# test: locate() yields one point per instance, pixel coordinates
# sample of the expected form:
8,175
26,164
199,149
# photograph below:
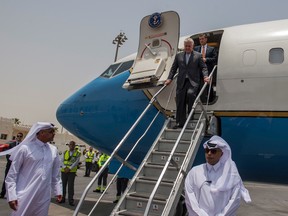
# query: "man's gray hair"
189,40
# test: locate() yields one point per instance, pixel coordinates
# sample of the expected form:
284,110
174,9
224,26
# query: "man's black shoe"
62,201
2,196
115,201
177,126
97,191
71,204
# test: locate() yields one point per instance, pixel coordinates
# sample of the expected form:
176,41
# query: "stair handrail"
84,194
183,167
124,162
197,100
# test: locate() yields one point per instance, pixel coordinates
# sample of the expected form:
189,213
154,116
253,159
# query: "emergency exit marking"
155,207
139,204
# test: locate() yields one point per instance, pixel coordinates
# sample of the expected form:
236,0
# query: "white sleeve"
75,163
13,173
190,198
86,155
56,176
234,202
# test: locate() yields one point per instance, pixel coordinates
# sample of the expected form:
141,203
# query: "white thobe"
34,171
199,198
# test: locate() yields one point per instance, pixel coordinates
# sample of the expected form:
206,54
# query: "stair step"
155,179
161,157
190,125
154,170
145,196
168,144
138,202
172,134
130,213
134,213
144,186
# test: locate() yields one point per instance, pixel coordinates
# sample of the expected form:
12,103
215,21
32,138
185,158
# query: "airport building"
9,129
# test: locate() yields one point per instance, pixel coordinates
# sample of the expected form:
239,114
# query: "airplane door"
158,43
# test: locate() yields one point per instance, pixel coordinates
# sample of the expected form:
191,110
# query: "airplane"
250,106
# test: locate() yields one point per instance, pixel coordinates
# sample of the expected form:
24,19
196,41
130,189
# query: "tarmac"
267,199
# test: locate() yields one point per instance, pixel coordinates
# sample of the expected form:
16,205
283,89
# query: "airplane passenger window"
276,55
110,70
124,67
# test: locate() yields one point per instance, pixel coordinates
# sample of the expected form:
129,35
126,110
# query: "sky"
49,49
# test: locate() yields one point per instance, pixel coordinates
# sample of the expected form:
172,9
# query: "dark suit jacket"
211,56
12,144
193,69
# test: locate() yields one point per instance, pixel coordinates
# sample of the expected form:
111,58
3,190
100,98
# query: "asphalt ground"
267,199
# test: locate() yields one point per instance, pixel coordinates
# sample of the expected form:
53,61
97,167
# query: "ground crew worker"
102,160
90,157
71,159
121,185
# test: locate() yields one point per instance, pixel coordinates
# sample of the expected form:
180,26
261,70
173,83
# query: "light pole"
119,40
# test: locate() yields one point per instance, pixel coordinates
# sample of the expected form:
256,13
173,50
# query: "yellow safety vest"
69,160
90,156
103,158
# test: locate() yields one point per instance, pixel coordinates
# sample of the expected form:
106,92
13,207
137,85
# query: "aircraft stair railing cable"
210,85
169,160
198,101
115,151
124,162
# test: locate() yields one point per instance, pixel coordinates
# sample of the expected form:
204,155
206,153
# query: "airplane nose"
102,112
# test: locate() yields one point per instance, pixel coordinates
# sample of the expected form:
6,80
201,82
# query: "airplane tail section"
158,44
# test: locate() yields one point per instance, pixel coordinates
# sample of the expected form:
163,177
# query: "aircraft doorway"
167,99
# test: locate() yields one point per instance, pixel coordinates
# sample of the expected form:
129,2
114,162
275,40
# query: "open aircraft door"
158,44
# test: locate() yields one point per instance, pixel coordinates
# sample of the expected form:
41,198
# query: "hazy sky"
49,49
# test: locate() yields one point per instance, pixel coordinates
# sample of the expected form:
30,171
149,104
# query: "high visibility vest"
69,160
90,156
103,158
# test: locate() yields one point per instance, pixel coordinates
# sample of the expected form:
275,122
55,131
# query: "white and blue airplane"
251,103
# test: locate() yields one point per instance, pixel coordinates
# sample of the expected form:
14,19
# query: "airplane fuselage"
251,104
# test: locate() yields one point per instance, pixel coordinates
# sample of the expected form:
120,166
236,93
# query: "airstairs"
157,187
158,184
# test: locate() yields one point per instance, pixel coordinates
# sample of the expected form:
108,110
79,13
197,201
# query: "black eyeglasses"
20,136
213,151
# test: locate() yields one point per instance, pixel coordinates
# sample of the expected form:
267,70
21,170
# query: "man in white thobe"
34,173
215,188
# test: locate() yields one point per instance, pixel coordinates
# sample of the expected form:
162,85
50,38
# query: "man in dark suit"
190,66
209,56
12,144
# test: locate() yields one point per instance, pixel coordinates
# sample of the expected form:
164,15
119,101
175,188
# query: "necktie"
203,52
187,58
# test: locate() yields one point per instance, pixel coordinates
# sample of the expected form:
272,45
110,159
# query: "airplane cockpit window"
276,55
116,69
124,67
110,70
